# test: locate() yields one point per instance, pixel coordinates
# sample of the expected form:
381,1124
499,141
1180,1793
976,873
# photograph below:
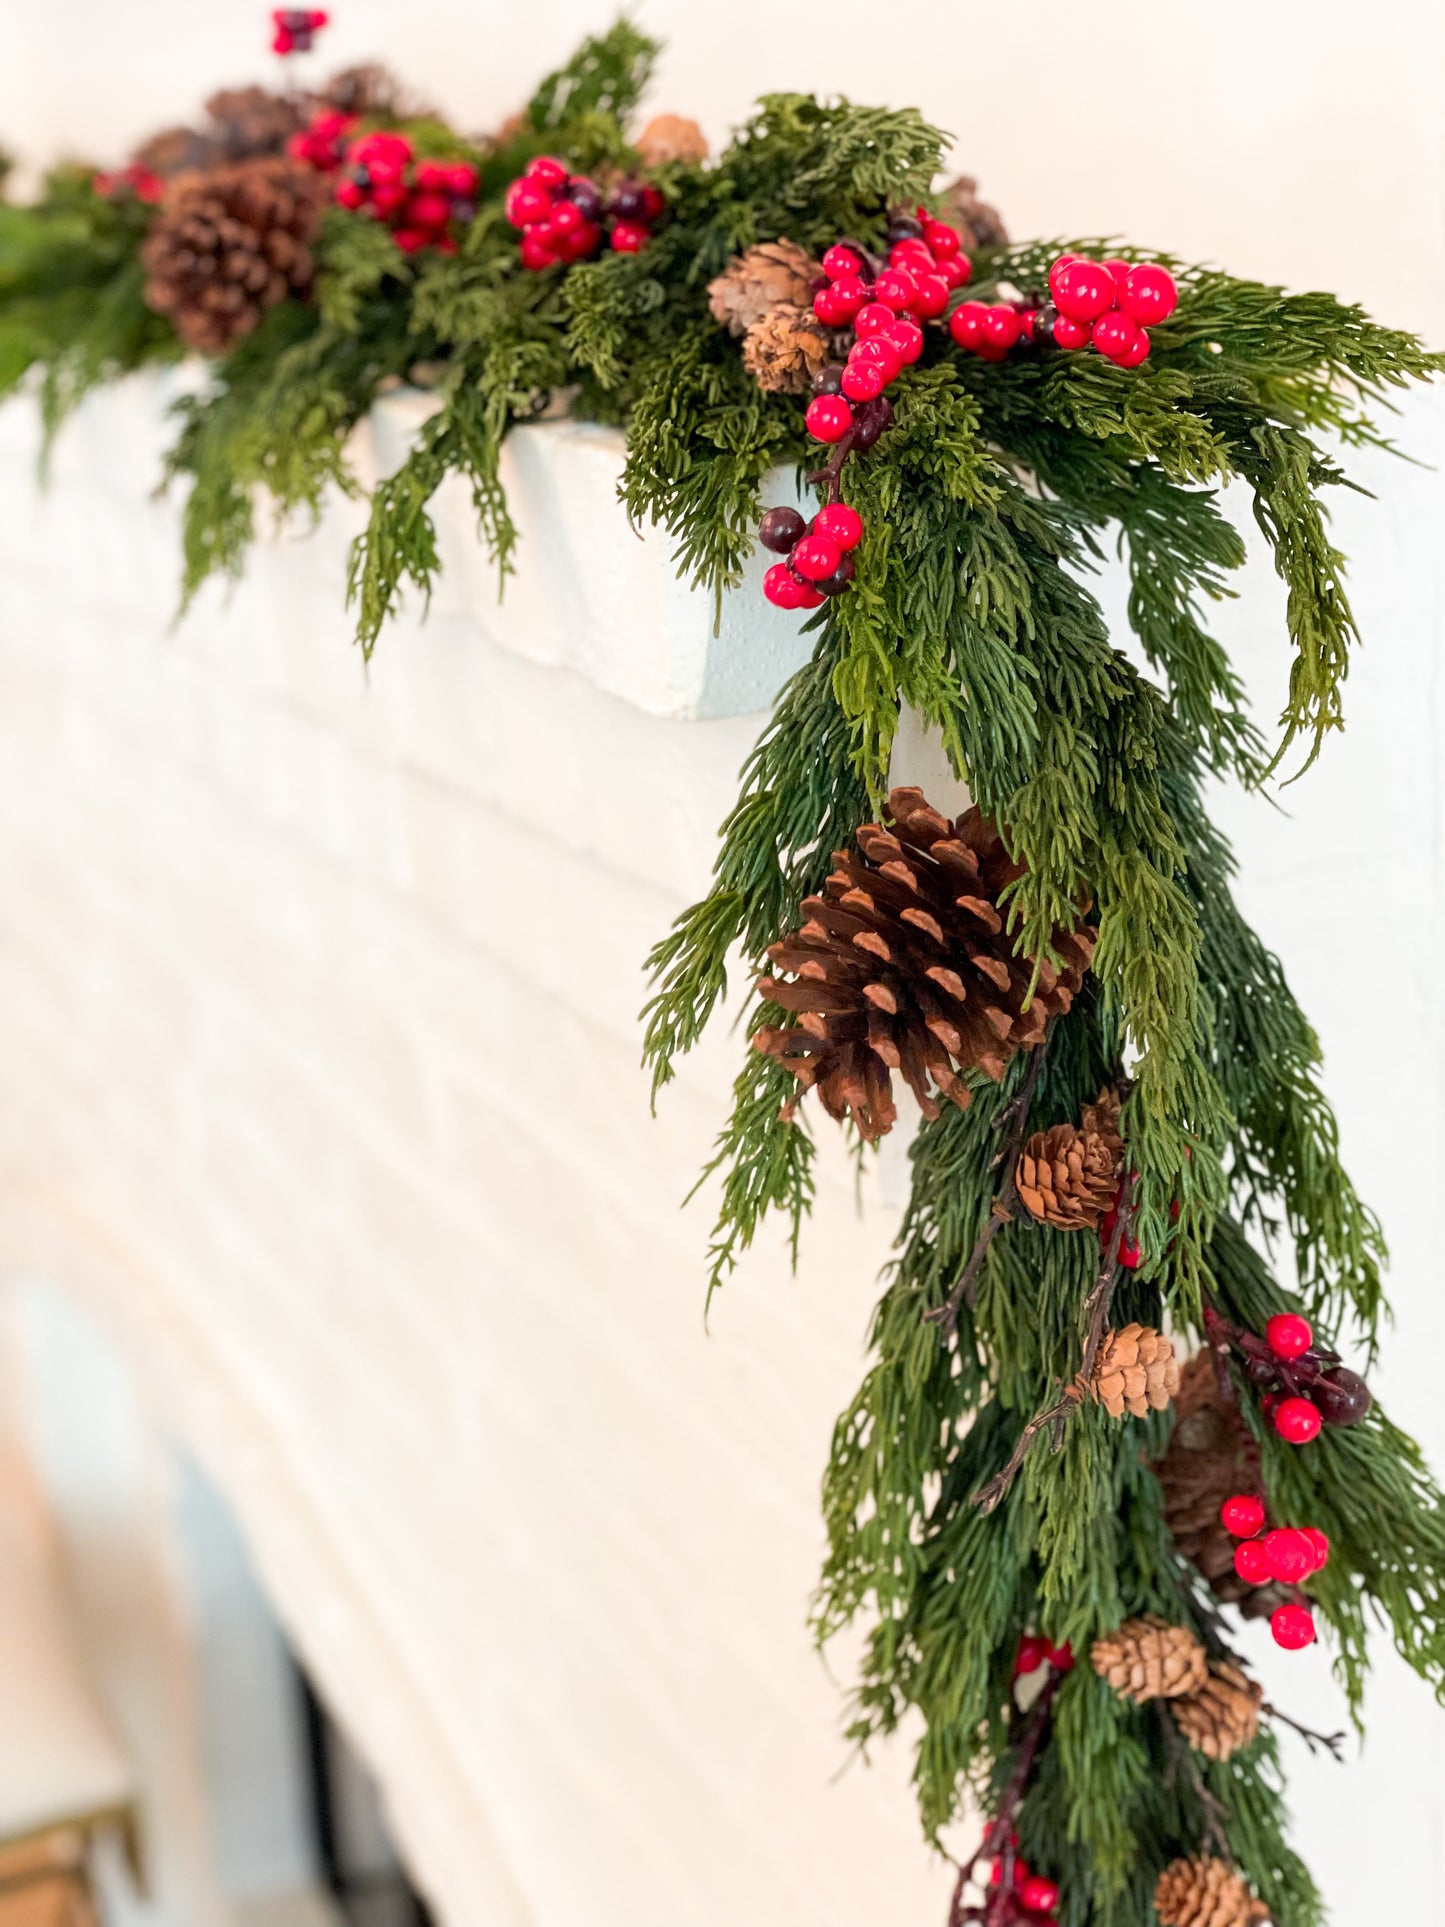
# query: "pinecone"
1148,1659
979,225
1210,1458
1069,1176
785,348
249,121
752,283
229,244
905,964
176,150
1223,1716
1136,1372
671,137
1205,1892
367,90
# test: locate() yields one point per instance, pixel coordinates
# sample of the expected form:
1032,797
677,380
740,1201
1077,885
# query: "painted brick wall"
317,1019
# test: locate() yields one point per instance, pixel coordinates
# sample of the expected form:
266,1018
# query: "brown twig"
1216,1813
1015,1114
1057,1415
997,1841
1332,1743
830,478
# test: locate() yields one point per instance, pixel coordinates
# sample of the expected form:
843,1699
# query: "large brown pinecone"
1136,1372
1210,1458
752,283
1223,1715
978,224
242,123
1205,1892
785,348
228,244
1148,1659
671,137
1069,1176
905,964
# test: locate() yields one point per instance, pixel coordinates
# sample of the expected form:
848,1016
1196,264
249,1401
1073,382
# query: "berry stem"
997,1841
1331,1743
830,478
1216,1813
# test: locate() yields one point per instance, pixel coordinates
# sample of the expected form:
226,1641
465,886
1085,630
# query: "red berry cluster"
818,563
1306,1386
1288,1554
561,215
1110,304
885,306
296,28
322,142
119,182
1017,1895
1036,1651
421,201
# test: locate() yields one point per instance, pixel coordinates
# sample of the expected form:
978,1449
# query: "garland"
1122,1126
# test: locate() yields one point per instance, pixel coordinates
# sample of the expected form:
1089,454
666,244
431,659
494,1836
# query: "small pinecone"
1069,1176
1223,1716
1136,1372
249,121
367,90
905,964
752,283
978,224
671,137
229,244
1205,1892
176,150
785,348
1209,1458
1148,1659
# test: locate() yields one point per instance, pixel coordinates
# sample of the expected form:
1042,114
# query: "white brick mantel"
318,994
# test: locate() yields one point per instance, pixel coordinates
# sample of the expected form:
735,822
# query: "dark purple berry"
829,380
629,203
1342,1395
583,194
871,420
838,581
1044,321
780,529
903,228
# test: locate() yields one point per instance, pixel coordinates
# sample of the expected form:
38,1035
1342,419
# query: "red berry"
1115,335
862,380
1069,333
1040,1896
955,269
931,298
431,177
1293,1627
1031,1655
1002,327
629,237
815,557
1289,1554
283,41
566,217
527,203
1119,270
1320,1544
828,308
1297,1421
829,418
907,338
942,239
911,255
840,524
965,324
1251,1562
654,202
550,172
537,251
895,289
840,261
1242,1516
1082,290
1149,294
873,319
435,210
411,240
782,587
850,294
350,193
882,349
461,179
1133,358
1061,1658
1288,1335
581,241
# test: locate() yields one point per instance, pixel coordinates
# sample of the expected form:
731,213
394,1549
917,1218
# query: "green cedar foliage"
987,507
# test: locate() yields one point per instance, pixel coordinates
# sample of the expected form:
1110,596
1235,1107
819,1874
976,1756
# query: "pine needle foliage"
989,506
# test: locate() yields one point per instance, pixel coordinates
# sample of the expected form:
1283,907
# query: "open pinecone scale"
905,964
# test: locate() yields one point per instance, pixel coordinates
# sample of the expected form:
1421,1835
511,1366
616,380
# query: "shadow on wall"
253,1809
